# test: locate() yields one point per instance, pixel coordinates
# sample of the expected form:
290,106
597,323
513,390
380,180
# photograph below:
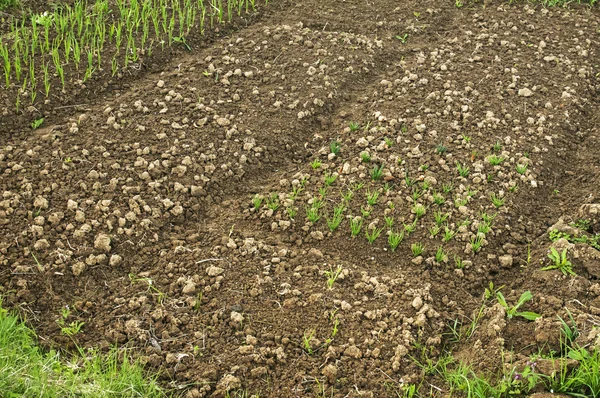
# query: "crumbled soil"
134,207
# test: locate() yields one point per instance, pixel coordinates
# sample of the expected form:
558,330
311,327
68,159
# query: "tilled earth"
170,212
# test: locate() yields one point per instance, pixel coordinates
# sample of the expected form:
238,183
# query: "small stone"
189,288
417,303
506,261
362,142
115,260
330,372
237,317
72,205
227,383
525,92
102,242
214,271
353,351
41,244
78,268
40,203
160,84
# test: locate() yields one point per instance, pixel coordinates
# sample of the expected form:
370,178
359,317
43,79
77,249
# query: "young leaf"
530,316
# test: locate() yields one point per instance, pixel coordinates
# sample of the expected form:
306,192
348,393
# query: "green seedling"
438,199
346,197
389,222
463,170
257,202
441,149
332,276
387,188
495,160
291,212
366,212
312,213
388,142
335,147
466,138
434,230
514,310
335,222
354,126
394,239
70,329
358,186
497,201
402,38
476,243
447,187
372,197
377,173
365,157
440,217
355,226
330,179
484,228
419,210
315,164
440,255
416,194
417,249
448,234
37,123
306,339
458,262
323,191
491,291
410,228
273,202
521,168
409,181
373,234
561,262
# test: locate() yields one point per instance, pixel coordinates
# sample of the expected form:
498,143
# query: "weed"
70,329
373,234
394,239
417,249
465,138
561,262
332,276
463,170
514,310
377,173
497,201
355,226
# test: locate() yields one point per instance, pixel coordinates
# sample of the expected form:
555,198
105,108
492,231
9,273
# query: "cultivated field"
321,198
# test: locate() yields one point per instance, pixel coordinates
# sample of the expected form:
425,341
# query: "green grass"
27,371
4,4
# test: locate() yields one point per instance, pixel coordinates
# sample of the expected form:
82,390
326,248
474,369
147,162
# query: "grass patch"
4,4
27,371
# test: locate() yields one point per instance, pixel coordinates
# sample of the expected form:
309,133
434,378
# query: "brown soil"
132,204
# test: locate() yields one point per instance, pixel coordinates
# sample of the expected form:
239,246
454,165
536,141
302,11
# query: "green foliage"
512,311
560,262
